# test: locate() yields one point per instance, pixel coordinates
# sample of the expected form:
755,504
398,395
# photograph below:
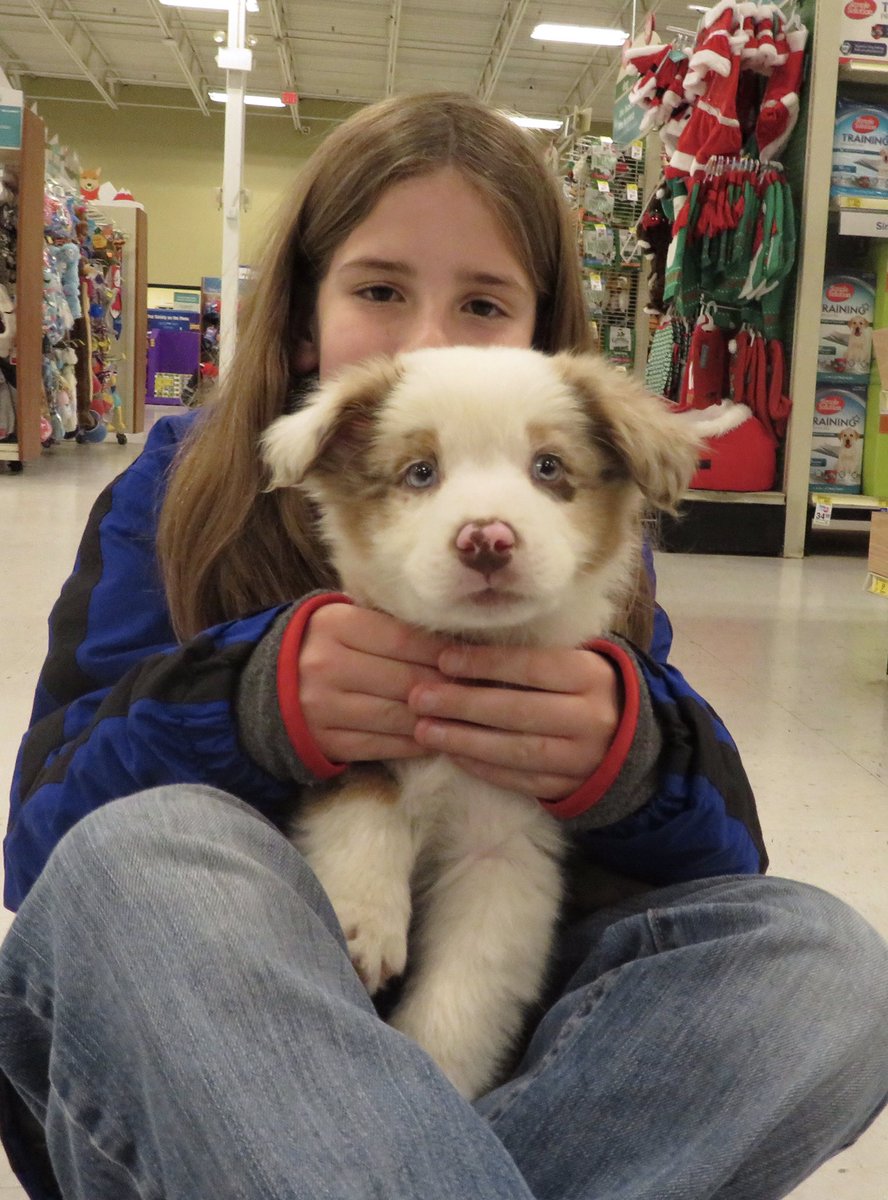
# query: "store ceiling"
352,50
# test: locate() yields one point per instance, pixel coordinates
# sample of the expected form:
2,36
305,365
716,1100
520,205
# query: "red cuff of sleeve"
288,688
610,766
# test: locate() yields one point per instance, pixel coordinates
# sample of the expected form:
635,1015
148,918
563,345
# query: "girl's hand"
542,734
356,670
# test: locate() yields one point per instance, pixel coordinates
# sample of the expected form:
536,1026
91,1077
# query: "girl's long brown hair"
228,548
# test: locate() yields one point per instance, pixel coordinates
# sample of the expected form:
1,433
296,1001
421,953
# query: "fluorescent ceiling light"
249,98
700,8
535,122
586,35
209,5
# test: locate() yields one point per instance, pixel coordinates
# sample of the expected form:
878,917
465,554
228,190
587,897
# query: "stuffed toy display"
602,185
90,179
81,316
719,235
7,323
8,225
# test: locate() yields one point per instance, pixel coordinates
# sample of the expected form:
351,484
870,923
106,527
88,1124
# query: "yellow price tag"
878,585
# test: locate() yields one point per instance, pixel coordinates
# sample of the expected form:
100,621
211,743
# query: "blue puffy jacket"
121,706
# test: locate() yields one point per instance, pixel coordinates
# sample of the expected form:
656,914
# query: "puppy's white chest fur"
493,495
469,875
456,817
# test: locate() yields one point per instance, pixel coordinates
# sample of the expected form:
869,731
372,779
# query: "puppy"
494,495
849,456
860,340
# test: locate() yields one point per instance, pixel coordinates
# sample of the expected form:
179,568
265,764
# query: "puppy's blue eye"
547,468
421,475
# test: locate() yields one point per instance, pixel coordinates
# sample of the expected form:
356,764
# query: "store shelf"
858,204
701,494
847,500
28,165
863,220
856,71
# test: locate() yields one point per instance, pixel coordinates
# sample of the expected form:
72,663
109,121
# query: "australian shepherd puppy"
494,495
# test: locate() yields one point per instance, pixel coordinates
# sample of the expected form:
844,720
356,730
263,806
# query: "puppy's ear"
643,439
335,422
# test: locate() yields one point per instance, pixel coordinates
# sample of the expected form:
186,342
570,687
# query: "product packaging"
864,29
860,150
845,344
837,443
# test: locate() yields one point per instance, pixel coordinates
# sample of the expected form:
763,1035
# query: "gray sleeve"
260,724
637,779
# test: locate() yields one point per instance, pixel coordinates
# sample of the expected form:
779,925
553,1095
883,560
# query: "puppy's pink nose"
486,547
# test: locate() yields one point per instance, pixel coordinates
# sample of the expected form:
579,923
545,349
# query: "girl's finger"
546,669
349,746
366,714
377,634
521,752
540,786
501,708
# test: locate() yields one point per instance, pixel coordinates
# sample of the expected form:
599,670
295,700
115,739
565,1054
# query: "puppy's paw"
377,944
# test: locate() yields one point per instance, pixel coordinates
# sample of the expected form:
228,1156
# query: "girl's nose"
427,331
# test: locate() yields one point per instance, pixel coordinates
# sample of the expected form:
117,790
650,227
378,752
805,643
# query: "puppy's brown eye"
547,468
421,475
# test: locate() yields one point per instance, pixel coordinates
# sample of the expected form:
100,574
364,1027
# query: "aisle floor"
792,655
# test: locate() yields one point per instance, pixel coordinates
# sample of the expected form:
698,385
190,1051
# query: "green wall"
170,158
159,146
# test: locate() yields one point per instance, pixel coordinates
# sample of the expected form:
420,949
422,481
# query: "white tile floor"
792,654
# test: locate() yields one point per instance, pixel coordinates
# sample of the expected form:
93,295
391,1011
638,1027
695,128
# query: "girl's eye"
379,293
420,475
485,308
547,468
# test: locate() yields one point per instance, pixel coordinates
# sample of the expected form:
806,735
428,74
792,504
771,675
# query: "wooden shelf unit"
28,163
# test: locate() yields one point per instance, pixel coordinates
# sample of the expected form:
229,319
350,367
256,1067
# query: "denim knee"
845,950
161,845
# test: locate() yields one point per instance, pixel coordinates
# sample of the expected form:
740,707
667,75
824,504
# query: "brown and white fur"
524,528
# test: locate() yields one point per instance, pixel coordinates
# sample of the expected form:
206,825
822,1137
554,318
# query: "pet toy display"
81,308
8,241
101,271
603,185
62,216
719,234
8,227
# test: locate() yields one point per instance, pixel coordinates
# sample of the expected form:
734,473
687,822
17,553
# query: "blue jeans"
179,1018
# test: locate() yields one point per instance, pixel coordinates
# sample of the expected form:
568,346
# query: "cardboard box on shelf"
859,162
864,30
878,544
846,318
837,444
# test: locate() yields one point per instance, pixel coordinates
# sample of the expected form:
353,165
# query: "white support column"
236,58
824,39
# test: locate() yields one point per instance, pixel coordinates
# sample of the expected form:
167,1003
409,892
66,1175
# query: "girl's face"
429,266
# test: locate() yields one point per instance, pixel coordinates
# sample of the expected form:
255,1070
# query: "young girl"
180,1017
